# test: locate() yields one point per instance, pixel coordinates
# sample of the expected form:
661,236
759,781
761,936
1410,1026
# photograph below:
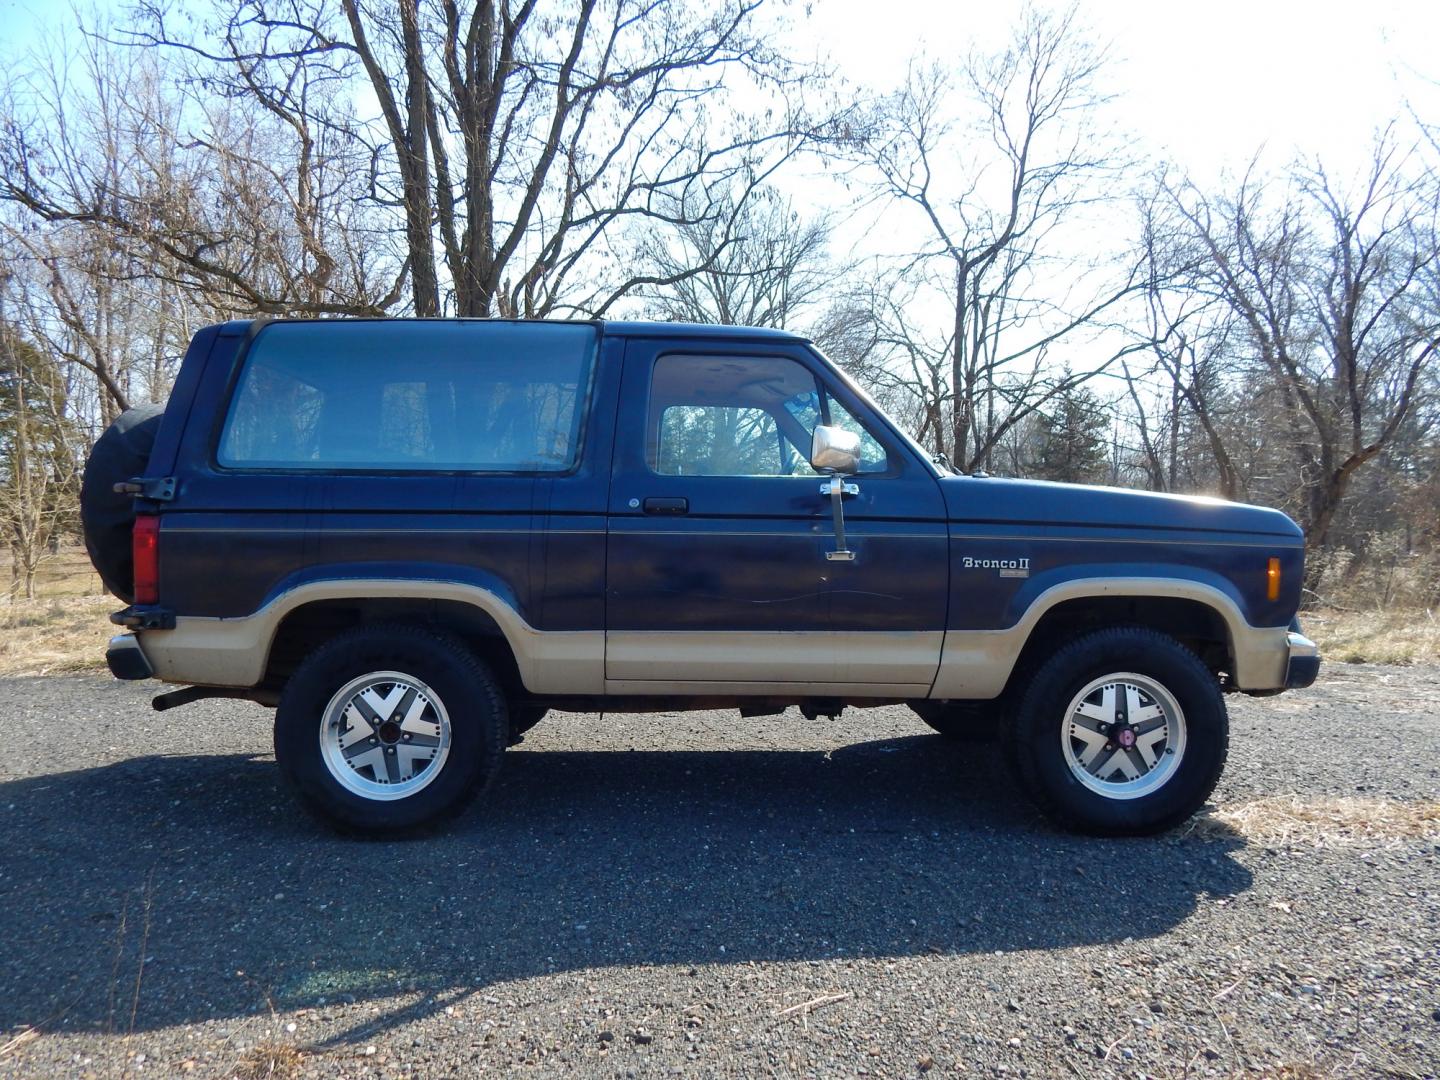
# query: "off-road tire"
106,518
1036,751
478,719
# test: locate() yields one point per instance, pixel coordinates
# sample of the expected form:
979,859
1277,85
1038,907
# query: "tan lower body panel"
1262,657
233,652
228,652
864,664
209,652
953,664
844,691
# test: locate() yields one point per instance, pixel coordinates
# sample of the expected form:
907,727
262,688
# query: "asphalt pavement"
700,895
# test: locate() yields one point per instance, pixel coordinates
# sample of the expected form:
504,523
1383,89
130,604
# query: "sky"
1210,81
1207,84
1205,87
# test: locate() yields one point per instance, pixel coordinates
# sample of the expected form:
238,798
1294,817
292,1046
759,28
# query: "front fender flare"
977,664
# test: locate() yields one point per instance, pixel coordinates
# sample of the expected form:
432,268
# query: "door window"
717,440
730,416
743,416
872,455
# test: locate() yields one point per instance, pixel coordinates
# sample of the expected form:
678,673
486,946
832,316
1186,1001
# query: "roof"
619,328
694,330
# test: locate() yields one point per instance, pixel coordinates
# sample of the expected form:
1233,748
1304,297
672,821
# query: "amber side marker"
1272,575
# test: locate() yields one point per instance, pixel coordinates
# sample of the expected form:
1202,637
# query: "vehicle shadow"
238,902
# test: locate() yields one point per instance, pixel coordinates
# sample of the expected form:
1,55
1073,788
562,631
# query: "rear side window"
410,396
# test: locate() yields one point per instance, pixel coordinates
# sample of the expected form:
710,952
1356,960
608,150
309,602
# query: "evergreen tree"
39,473
1071,438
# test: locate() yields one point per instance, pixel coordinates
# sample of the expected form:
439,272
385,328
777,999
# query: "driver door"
716,568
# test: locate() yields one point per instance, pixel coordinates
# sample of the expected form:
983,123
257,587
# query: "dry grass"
68,573
1375,637
64,629
1374,1060
30,1034
50,637
1290,819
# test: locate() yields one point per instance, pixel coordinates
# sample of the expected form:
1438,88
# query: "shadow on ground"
204,866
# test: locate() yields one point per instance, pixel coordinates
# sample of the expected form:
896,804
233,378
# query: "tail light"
145,546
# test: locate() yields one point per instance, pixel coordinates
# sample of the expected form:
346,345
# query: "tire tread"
488,709
1050,679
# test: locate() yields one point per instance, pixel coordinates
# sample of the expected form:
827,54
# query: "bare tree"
1337,292
511,138
1190,333
882,344
247,210
755,263
998,196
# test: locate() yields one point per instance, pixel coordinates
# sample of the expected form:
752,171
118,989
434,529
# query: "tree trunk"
1173,465
962,390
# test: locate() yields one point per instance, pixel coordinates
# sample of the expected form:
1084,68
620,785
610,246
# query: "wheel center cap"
1126,737
389,732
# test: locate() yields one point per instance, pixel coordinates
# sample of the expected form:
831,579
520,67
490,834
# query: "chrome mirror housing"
834,449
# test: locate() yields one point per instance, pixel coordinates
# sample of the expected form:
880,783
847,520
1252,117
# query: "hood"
993,500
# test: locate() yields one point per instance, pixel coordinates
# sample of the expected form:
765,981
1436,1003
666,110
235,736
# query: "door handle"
654,505
837,489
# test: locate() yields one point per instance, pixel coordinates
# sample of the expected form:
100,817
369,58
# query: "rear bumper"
144,617
1304,662
126,659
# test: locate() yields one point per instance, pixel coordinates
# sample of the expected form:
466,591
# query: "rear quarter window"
410,396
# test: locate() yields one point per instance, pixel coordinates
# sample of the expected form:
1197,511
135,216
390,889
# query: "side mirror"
834,449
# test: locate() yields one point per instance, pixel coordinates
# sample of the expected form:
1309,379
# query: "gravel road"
702,895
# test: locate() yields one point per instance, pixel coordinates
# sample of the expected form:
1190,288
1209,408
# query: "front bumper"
1304,663
126,659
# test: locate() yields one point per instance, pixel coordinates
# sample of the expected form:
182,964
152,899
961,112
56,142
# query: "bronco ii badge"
1012,568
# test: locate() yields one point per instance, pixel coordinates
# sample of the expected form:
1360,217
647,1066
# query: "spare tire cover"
120,454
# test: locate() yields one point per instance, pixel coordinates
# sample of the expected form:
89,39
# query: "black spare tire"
121,453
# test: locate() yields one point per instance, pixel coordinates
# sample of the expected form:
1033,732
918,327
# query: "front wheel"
1121,732
387,727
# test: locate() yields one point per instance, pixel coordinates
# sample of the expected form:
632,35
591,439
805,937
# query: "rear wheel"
389,727
1121,732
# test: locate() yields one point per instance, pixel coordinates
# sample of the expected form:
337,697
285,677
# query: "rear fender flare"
235,652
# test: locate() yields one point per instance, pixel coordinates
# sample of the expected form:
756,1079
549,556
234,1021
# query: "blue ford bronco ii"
414,537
